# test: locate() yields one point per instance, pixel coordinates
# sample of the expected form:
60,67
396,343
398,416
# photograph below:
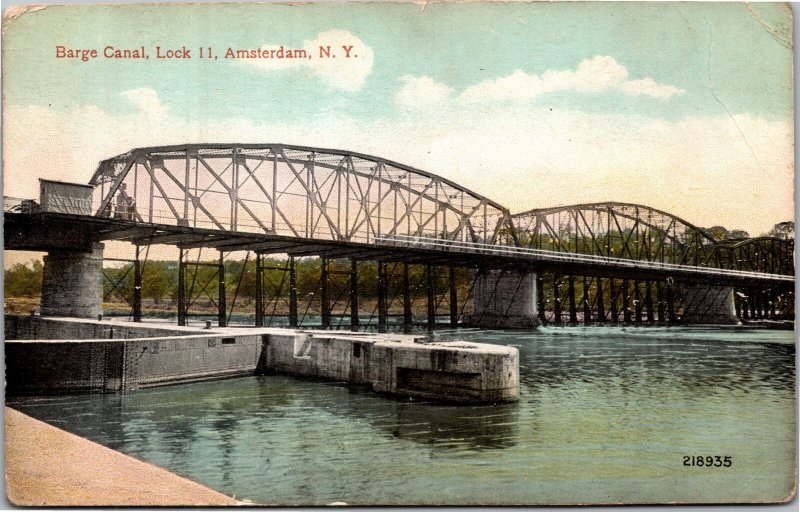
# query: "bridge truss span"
295,191
600,262
642,233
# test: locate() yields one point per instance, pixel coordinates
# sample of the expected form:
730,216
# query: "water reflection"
595,407
448,426
640,360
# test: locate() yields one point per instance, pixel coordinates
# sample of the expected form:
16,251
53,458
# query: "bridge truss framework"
332,204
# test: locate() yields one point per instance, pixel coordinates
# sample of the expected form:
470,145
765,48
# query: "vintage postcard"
436,253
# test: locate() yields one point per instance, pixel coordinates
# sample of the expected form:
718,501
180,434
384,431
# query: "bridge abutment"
505,299
71,283
707,304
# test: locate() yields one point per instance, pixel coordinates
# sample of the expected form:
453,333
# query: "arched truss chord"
761,254
639,232
297,191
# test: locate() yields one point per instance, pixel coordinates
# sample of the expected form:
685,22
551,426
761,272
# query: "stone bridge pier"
709,304
72,282
504,299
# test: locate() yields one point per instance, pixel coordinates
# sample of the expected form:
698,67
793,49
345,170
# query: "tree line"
160,278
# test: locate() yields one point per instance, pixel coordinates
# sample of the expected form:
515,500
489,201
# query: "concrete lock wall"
60,366
455,371
706,304
505,299
38,328
71,283
151,362
388,363
459,371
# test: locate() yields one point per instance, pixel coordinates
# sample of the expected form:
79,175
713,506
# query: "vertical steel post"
325,306
274,198
181,289
660,301
186,188
556,299
292,293
670,303
648,301
137,288
430,289
601,310
626,310
639,304
745,301
453,297
759,304
407,317
573,313
152,198
540,298
737,304
259,292
587,309
353,294
222,319
771,303
613,297
382,309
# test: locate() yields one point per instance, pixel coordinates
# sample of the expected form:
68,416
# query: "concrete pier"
51,356
71,283
505,299
706,304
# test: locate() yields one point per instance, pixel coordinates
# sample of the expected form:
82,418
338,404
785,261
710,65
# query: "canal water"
606,415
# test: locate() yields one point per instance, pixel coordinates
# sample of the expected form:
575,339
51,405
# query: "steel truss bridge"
304,201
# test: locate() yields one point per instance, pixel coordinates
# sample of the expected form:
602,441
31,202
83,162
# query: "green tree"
783,230
241,274
24,279
158,281
718,233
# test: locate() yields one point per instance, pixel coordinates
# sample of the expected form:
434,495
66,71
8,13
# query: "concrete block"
132,356
706,304
72,282
505,299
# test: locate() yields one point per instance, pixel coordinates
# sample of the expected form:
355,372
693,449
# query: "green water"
606,415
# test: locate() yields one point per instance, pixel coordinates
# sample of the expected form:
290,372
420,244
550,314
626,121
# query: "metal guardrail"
554,256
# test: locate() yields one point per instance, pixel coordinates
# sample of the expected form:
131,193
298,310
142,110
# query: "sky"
685,107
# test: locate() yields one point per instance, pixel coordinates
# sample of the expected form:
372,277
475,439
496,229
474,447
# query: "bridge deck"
47,230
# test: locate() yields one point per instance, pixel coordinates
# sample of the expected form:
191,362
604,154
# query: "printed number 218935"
707,461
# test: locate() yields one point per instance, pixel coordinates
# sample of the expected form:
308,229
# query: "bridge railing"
132,213
555,256
167,218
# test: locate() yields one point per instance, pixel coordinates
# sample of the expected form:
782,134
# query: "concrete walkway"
46,466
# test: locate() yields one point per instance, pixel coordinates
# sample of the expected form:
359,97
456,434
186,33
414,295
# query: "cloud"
147,100
523,155
421,92
340,72
598,74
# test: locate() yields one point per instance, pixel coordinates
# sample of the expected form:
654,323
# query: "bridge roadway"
45,231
